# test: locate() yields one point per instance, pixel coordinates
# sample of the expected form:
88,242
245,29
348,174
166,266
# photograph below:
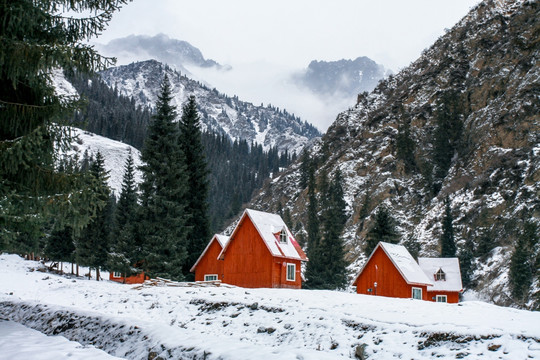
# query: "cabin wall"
209,264
279,277
134,279
389,280
248,262
452,297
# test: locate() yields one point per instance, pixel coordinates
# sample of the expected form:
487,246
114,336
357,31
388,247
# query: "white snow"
115,154
235,323
450,266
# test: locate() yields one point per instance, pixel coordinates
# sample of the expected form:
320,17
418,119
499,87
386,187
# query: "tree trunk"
97,274
77,269
89,273
72,269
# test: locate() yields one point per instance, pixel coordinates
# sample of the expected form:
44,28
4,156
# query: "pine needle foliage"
37,38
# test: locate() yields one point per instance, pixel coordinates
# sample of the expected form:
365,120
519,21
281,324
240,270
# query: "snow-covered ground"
183,321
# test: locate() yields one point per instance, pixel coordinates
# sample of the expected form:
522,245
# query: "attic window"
283,236
440,275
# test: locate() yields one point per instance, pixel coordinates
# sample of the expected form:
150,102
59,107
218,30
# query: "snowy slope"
114,152
236,323
266,125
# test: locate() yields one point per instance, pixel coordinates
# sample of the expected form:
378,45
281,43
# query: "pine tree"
523,260
405,147
305,168
383,229
332,247
197,172
60,245
448,243
92,247
313,268
162,221
124,251
38,37
466,263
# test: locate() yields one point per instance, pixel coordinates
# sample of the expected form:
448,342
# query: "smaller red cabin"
391,271
208,267
133,279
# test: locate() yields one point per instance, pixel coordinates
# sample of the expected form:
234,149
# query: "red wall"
452,297
134,279
209,264
249,263
389,280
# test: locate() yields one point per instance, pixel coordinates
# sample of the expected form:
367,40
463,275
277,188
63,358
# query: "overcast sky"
284,35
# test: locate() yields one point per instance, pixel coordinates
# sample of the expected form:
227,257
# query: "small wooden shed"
208,267
133,279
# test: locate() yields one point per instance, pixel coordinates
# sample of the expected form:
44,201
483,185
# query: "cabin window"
440,298
212,277
291,272
417,293
283,236
440,275
117,274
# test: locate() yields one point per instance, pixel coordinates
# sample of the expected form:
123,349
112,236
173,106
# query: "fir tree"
448,243
306,166
313,268
60,245
197,195
466,263
93,244
522,261
406,147
38,37
125,253
162,220
332,247
383,229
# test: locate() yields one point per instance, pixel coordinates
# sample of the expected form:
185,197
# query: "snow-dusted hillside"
489,60
181,321
266,125
115,154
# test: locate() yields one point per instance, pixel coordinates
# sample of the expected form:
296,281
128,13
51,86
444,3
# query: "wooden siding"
452,297
134,279
389,280
249,263
209,264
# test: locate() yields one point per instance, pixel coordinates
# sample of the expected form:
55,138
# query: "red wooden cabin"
261,252
391,271
133,279
208,267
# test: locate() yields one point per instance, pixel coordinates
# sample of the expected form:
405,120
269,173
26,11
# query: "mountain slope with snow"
266,125
177,320
489,62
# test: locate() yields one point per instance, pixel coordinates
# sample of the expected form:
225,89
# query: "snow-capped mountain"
177,53
489,62
345,78
265,125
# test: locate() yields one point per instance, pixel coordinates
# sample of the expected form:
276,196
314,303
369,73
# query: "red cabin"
208,267
261,252
391,271
133,279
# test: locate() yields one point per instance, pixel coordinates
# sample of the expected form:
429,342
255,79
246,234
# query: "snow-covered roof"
222,241
269,227
404,263
450,266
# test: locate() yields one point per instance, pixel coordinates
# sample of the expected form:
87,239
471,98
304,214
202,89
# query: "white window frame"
211,277
416,288
441,297
283,236
293,267
440,275
117,274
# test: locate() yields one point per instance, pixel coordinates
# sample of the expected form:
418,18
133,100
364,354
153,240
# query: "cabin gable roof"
450,266
222,240
404,263
269,227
